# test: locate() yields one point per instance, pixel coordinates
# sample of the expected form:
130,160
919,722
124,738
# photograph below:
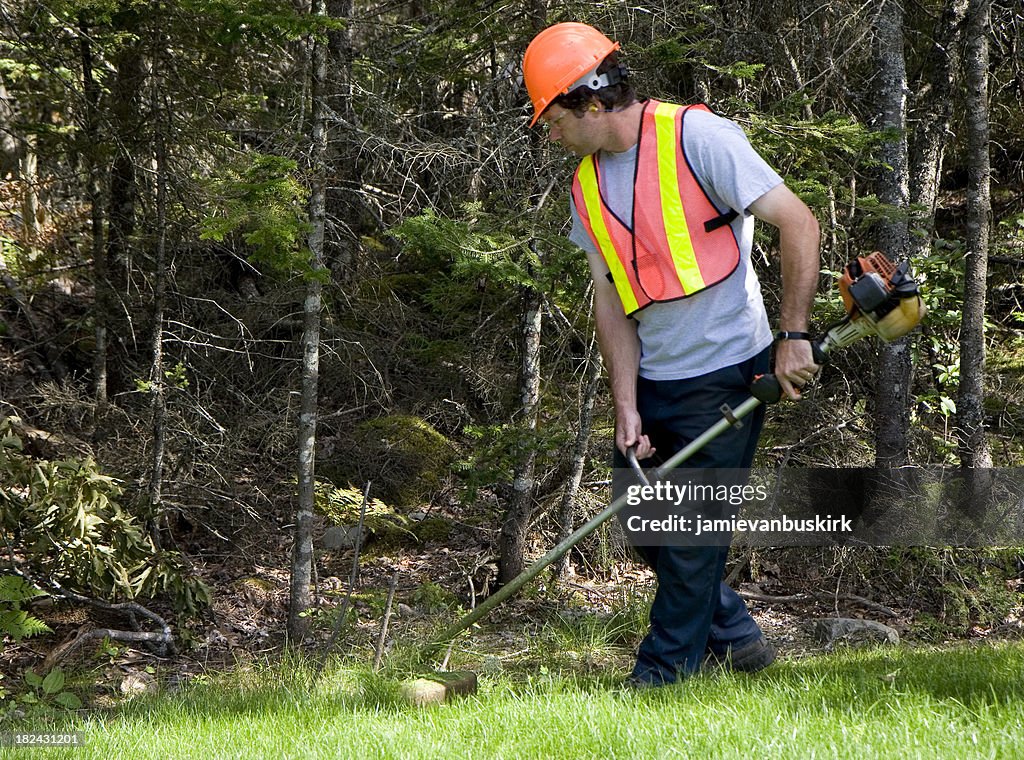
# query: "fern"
14,588
18,624
14,621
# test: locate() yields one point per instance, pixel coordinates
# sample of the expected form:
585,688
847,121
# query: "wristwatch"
790,335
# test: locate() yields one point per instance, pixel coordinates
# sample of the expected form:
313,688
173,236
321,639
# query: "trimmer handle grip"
818,350
766,389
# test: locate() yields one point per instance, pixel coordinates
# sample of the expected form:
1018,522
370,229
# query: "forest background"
267,266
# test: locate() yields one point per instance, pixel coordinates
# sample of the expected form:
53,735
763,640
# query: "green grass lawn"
965,702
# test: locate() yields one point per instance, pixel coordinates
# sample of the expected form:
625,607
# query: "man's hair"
612,97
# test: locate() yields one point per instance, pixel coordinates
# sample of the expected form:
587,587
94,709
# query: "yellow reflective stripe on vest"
595,214
676,231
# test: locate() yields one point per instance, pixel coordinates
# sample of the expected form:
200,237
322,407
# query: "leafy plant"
433,598
176,377
65,517
48,691
496,450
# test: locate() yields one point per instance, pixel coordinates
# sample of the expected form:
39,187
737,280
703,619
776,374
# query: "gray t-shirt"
726,323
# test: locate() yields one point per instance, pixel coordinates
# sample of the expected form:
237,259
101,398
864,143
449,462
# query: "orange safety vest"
680,242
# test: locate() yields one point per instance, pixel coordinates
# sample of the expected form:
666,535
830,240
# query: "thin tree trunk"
125,121
9,147
975,457
512,549
892,400
94,193
343,207
126,126
300,596
933,111
567,509
30,200
156,375
512,539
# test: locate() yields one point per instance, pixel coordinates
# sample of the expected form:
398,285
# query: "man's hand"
794,366
628,432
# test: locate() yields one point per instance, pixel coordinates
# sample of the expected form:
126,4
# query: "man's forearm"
799,245
799,240
620,349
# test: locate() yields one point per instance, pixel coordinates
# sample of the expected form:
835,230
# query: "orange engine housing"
874,262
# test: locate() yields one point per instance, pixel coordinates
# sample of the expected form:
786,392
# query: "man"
663,203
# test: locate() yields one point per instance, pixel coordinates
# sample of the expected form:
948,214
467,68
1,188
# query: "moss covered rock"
404,457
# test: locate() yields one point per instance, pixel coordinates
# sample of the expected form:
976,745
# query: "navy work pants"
693,611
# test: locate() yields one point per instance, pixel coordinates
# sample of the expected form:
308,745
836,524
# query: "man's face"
566,128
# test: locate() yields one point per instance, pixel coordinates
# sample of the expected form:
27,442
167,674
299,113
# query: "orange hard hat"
558,58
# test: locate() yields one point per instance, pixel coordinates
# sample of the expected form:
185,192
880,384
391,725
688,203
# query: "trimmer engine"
881,299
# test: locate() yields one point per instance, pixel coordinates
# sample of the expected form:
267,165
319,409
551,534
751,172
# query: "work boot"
750,658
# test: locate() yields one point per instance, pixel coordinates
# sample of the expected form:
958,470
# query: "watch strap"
790,335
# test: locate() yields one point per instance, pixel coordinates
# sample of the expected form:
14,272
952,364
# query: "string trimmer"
880,298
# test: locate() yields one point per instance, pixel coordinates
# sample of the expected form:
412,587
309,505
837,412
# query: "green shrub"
261,200
64,517
433,598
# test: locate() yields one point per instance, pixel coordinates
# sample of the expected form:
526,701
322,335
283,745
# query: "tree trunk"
975,457
512,540
157,377
892,400
112,261
90,127
932,113
9,148
300,597
512,548
933,110
343,209
125,122
30,200
567,508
